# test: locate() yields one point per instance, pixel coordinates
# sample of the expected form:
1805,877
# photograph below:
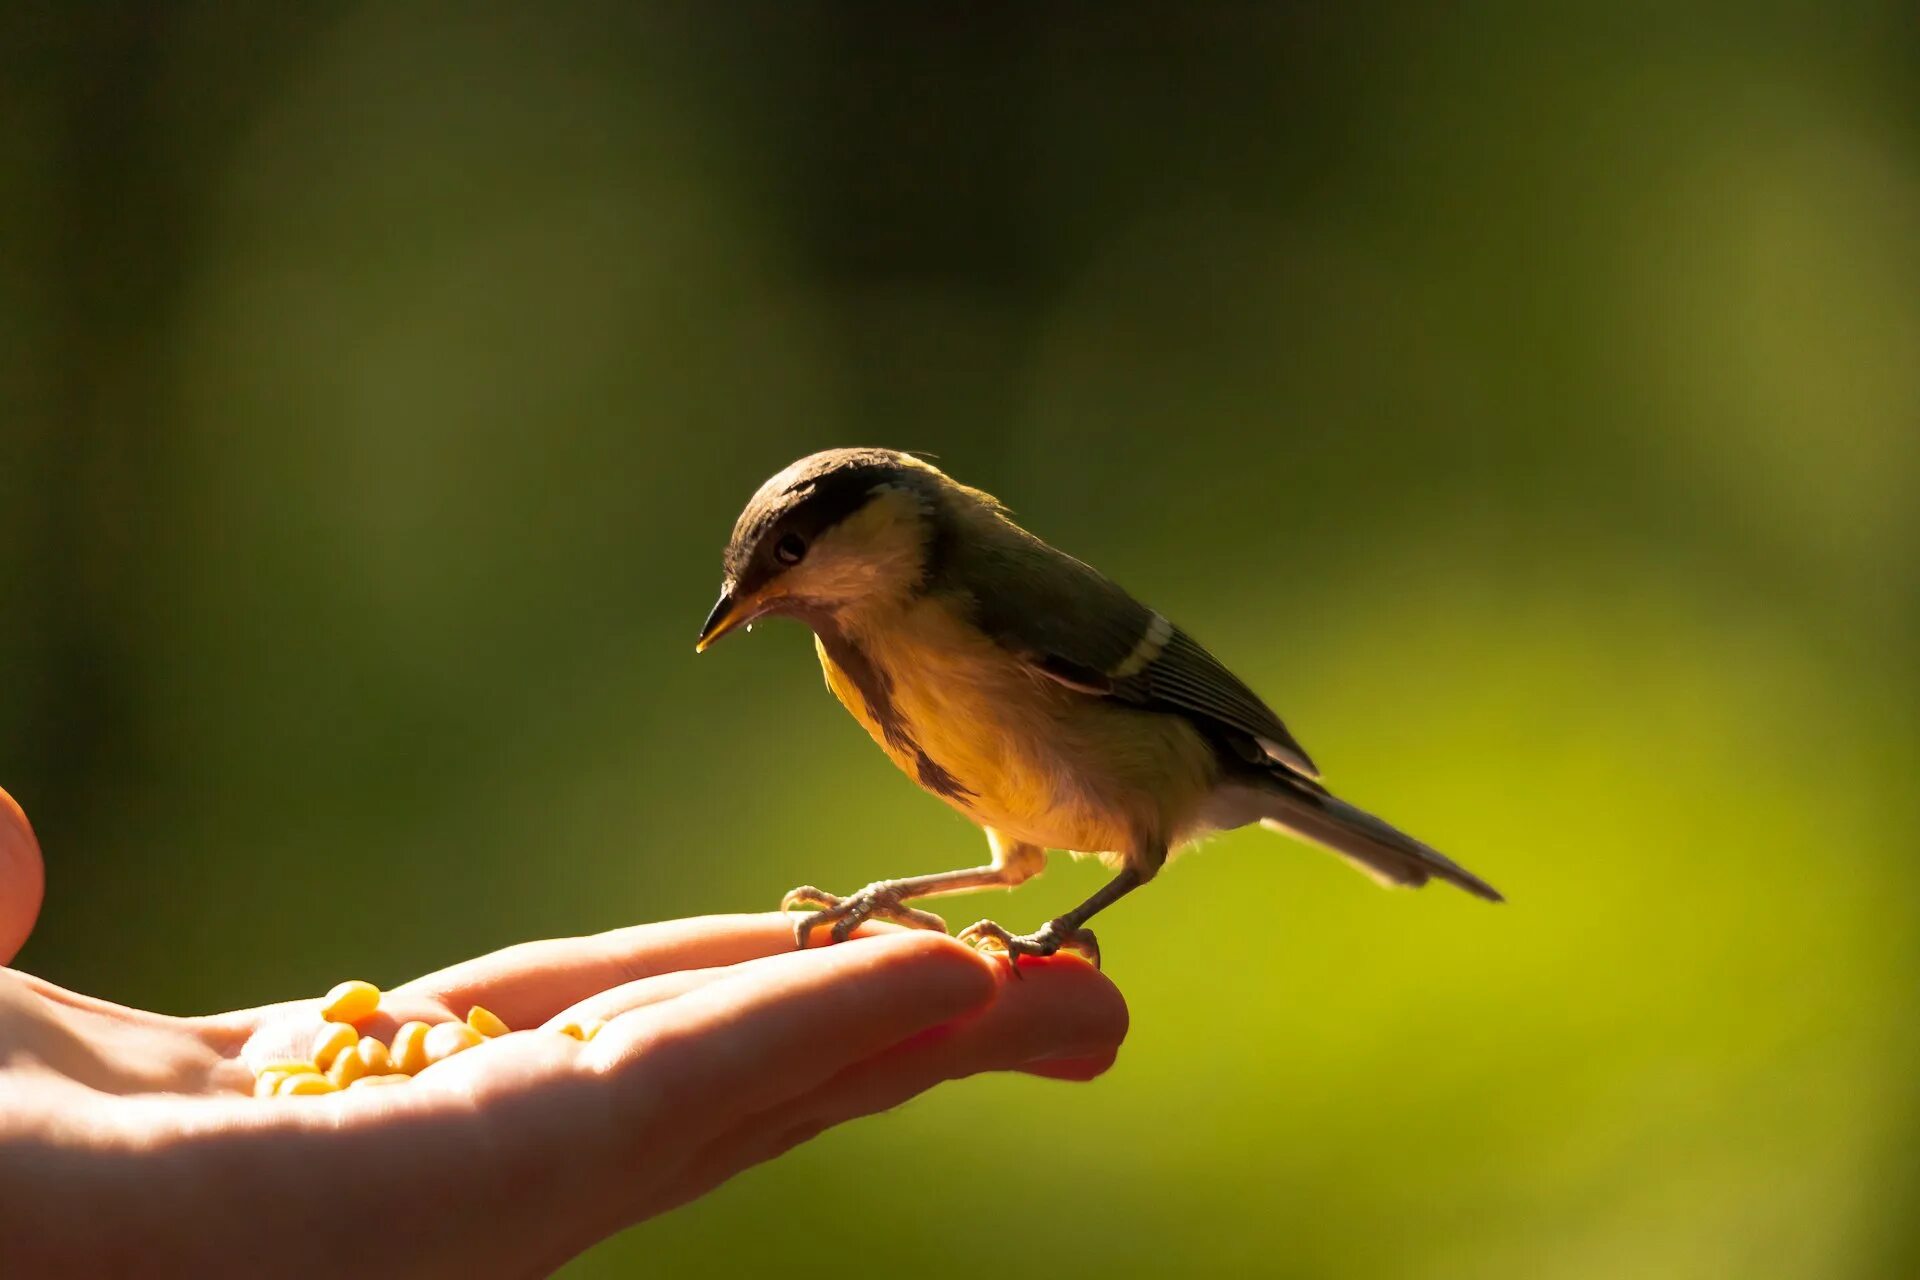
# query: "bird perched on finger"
1026,690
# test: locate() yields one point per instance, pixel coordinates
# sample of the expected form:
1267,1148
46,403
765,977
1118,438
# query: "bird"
1026,690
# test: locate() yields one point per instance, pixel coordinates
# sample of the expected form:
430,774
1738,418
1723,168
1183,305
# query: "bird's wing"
1074,625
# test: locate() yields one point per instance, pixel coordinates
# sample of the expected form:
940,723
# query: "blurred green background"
1526,398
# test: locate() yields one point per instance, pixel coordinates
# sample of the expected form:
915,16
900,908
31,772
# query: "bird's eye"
790,549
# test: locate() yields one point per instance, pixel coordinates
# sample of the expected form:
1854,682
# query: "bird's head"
846,528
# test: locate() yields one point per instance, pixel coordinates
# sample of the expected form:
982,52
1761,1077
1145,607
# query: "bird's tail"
1384,852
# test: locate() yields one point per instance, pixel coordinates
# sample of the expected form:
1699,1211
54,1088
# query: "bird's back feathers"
1078,627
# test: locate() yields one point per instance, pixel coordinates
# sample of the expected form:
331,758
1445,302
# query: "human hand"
129,1142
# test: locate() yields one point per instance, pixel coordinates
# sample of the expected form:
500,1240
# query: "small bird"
1027,691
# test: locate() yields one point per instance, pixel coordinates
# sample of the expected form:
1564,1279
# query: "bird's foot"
880,900
1054,935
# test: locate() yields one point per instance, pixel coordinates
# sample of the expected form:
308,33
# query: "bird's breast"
1017,752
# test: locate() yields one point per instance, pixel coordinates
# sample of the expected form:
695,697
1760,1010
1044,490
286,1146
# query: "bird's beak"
727,614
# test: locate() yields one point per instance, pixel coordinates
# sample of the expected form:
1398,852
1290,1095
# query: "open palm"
130,1142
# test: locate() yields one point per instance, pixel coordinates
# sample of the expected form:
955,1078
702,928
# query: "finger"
777,1029
1077,1070
1065,1021
22,878
605,1006
529,983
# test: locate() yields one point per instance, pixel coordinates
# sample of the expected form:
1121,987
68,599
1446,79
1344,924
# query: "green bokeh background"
1525,397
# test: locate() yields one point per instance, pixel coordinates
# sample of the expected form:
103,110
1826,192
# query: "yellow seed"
350,1002
486,1022
333,1040
347,1068
582,1029
409,1052
304,1083
288,1066
449,1038
373,1056
269,1081
367,1080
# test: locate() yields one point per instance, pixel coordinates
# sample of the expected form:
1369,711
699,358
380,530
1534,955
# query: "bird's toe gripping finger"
1083,942
986,935
1044,941
875,902
896,913
913,917
808,896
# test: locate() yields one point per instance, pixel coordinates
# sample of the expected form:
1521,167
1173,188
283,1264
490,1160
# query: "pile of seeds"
342,1058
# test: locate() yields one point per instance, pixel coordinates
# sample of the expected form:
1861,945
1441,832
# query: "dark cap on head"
808,498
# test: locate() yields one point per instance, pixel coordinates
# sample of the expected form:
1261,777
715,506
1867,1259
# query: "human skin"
130,1143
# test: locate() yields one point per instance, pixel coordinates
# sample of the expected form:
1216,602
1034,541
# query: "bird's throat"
865,687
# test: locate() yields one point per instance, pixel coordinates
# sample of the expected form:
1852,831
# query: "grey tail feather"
1384,852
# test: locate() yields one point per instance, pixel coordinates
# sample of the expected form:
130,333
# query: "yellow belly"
1039,762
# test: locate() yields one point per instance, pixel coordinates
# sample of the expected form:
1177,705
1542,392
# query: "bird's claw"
1048,938
878,901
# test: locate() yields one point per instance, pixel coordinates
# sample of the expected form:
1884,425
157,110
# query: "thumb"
22,880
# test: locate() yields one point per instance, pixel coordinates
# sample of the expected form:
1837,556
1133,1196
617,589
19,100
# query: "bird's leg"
882,900
1013,862
1064,931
